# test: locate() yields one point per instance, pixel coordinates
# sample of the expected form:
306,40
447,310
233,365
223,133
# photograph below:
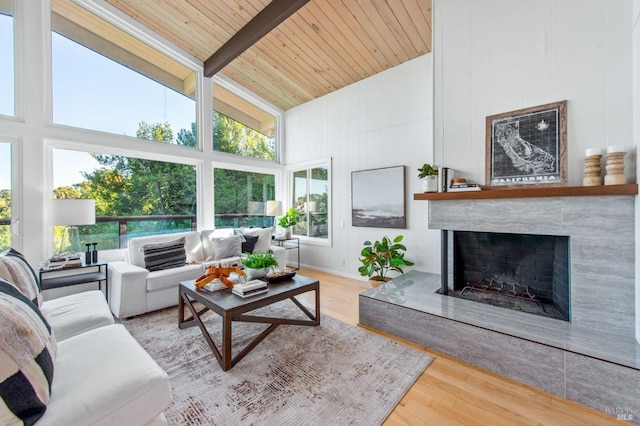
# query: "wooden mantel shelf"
560,191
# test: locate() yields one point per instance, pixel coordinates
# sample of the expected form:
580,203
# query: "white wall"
636,140
382,121
494,56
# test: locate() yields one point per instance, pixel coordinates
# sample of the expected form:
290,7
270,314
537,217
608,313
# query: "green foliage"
289,219
259,260
235,138
5,213
126,186
427,170
381,257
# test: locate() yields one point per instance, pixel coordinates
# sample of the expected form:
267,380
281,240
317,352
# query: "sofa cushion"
159,280
263,245
77,313
230,246
167,255
193,246
249,243
15,269
105,377
27,356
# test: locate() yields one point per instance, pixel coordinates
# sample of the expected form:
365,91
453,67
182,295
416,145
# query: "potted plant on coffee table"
289,219
381,257
257,264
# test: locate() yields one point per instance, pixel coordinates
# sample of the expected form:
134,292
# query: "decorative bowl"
280,276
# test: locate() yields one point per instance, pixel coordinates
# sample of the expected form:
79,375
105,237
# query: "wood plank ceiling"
326,45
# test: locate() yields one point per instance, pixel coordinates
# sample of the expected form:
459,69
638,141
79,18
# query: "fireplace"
522,272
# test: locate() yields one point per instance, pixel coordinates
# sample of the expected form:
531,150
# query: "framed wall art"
527,147
378,198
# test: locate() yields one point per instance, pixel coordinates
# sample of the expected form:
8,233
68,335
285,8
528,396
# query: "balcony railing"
113,232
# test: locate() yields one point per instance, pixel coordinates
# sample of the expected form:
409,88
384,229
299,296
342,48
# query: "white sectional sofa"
100,374
134,290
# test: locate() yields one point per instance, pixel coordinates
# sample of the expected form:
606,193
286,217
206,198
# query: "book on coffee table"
250,288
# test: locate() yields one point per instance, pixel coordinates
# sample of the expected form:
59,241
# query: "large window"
311,198
5,195
241,128
7,77
240,197
134,197
106,80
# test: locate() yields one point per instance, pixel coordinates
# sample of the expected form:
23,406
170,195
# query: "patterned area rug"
334,374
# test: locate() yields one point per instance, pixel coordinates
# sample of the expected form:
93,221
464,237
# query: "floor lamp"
71,213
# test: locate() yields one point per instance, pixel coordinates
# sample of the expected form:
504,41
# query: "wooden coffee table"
232,307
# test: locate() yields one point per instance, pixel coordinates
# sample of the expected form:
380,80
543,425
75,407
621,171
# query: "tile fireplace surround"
594,359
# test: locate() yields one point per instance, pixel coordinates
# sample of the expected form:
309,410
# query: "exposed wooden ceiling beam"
266,20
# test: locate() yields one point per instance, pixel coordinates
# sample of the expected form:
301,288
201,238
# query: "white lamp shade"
273,208
73,212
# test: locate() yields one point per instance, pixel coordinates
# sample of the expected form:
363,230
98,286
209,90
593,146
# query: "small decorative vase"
287,233
430,184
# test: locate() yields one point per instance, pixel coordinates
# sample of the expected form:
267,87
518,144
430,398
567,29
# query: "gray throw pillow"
228,246
159,256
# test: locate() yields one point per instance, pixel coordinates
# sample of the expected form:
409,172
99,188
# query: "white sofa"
134,290
102,376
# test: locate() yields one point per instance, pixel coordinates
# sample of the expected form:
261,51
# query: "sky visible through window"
7,69
94,92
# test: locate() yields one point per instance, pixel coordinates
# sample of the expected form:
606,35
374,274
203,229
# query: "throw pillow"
159,256
249,243
15,269
230,246
263,245
28,350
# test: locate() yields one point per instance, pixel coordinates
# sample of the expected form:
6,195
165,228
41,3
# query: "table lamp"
71,213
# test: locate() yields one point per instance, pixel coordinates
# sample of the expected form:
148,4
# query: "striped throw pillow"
27,352
15,269
167,255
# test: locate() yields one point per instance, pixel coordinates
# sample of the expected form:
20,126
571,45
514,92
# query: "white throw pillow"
263,245
228,246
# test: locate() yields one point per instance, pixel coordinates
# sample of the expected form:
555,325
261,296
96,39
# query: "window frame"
250,97
115,17
15,227
309,165
245,167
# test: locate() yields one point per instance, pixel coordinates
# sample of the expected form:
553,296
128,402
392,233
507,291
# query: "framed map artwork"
527,147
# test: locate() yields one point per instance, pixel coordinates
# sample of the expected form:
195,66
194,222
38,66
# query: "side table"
85,273
294,245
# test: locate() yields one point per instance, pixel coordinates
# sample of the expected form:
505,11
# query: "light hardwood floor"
451,392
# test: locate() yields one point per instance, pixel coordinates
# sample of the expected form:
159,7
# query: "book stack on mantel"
463,187
250,288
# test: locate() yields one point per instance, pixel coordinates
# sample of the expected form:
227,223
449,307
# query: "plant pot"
253,274
287,233
430,184
376,281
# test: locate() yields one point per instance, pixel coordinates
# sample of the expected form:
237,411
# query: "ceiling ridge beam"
260,25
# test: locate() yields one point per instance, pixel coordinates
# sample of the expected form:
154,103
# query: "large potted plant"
429,177
257,264
381,257
289,219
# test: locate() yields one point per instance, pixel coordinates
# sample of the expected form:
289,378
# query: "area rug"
333,374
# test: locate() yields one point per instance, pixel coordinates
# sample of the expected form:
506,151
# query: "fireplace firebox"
528,273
